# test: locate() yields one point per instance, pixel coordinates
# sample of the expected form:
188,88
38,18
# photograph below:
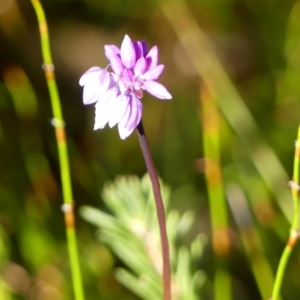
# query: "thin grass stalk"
250,238
203,56
294,232
216,195
58,123
166,270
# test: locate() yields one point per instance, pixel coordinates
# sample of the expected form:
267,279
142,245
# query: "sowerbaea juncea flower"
118,94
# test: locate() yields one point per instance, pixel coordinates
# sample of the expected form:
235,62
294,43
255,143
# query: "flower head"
117,94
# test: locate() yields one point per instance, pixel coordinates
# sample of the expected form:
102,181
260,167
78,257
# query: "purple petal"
119,108
131,118
91,74
140,49
157,90
96,81
104,81
152,57
90,94
153,73
135,113
103,109
111,50
123,132
128,52
127,76
116,64
140,66
139,108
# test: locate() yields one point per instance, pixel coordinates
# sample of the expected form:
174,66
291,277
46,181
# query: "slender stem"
251,240
216,195
58,124
159,210
294,234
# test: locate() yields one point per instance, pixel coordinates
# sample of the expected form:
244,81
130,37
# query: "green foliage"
131,231
34,238
4,257
256,44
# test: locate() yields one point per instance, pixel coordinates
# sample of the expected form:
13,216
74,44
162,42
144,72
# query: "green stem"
280,272
217,201
58,124
294,235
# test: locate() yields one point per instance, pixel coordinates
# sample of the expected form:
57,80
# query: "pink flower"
117,94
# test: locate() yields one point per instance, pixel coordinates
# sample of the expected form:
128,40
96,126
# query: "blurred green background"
250,61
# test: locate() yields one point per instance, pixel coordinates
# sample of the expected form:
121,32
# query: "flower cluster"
117,94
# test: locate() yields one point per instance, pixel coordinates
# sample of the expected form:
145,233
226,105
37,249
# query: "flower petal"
131,118
128,55
140,66
90,94
120,105
140,49
104,108
101,117
127,76
96,81
123,132
91,74
136,108
116,64
152,57
153,73
139,112
157,90
111,50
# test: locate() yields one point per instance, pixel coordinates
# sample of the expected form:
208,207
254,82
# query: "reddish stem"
159,210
